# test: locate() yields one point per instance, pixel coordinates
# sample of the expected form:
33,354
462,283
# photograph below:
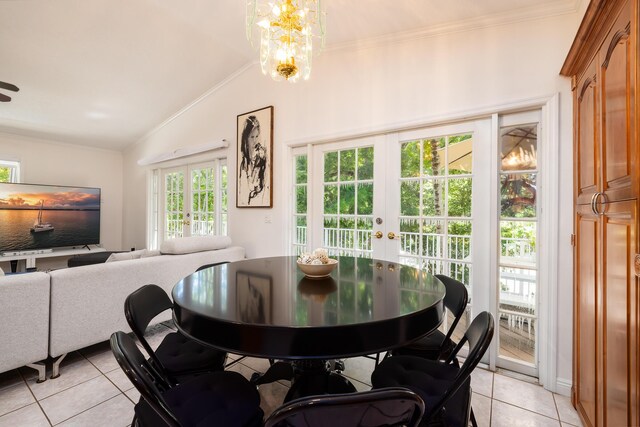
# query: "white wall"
377,88
55,163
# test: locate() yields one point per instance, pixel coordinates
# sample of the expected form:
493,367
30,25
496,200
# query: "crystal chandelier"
287,29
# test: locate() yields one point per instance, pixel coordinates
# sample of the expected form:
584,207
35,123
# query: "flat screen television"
34,216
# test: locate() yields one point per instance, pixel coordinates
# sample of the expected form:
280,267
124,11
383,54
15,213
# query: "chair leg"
473,418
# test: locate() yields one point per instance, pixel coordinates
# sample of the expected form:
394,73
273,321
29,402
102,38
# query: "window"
9,171
188,200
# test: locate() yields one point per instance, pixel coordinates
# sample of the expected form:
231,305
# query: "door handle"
186,222
393,236
378,235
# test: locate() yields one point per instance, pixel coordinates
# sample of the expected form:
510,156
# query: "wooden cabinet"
603,65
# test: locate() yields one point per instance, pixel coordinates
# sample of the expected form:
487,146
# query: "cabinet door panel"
619,284
616,111
586,136
585,369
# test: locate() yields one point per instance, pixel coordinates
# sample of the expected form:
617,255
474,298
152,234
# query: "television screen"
46,216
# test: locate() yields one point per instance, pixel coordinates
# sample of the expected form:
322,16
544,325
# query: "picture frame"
254,159
253,298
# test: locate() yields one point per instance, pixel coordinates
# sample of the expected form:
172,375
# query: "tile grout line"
525,409
34,396
493,381
88,409
100,373
556,405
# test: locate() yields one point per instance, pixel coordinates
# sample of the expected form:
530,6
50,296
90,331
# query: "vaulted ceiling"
106,72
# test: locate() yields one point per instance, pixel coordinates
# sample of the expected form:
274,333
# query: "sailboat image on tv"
38,225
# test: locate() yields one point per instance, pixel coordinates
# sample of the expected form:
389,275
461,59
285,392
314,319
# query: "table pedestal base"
308,378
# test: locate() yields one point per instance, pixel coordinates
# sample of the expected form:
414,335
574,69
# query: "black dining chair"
222,398
177,355
444,386
437,345
393,406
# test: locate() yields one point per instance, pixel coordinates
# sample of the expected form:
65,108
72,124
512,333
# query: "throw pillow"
122,256
187,245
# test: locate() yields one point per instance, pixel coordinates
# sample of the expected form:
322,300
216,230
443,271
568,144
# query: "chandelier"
287,29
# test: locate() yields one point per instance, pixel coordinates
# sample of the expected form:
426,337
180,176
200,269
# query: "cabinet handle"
593,203
604,201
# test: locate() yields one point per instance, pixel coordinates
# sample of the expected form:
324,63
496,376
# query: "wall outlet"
267,219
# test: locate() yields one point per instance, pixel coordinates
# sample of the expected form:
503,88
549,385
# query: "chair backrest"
455,300
392,406
140,307
147,380
479,335
202,267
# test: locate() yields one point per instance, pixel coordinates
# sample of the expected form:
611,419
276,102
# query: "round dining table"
267,307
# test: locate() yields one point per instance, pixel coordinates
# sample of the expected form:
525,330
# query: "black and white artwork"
255,159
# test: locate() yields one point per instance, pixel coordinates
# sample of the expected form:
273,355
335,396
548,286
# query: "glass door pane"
300,213
173,204
203,201
518,267
435,204
347,212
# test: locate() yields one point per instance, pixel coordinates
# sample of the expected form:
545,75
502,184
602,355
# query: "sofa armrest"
24,319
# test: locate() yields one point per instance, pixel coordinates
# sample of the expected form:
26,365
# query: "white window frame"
155,224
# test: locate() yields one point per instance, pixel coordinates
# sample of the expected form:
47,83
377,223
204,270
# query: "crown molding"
544,10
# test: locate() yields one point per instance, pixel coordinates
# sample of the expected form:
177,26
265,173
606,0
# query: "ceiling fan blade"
4,98
9,86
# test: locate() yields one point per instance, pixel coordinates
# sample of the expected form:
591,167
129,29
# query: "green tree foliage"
4,174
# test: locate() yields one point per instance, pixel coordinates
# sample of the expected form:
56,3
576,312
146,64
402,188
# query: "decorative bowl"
318,270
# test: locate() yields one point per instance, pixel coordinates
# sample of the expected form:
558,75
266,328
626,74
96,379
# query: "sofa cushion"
1,272
187,245
150,253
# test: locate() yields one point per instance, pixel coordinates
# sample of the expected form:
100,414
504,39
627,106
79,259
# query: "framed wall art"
254,187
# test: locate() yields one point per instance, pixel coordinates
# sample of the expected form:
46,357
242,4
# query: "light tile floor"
93,391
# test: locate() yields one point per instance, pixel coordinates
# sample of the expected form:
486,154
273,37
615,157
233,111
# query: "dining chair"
177,355
392,406
438,345
444,386
222,398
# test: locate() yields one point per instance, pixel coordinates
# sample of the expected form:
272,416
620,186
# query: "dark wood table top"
266,307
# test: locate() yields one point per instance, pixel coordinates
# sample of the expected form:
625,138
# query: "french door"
194,200
457,200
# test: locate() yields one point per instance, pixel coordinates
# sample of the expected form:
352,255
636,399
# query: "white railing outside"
349,240
517,248
301,235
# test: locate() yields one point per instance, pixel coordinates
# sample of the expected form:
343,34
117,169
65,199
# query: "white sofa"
66,310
